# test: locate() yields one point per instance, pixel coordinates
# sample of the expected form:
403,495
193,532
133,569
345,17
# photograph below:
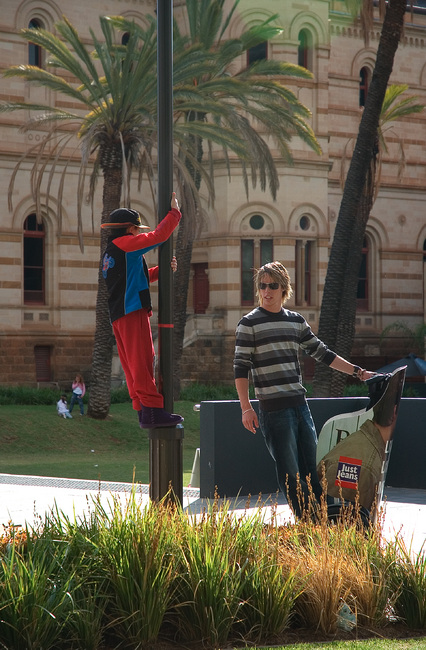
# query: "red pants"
136,351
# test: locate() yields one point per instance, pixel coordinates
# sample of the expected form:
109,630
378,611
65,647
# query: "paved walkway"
26,499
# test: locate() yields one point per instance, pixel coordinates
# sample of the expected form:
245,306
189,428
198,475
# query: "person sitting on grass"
62,408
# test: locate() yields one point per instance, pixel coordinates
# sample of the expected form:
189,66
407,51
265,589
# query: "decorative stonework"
306,208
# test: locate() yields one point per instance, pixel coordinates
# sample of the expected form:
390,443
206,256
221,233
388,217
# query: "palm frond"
224,137
56,154
271,67
417,334
260,33
394,109
41,77
89,79
249,112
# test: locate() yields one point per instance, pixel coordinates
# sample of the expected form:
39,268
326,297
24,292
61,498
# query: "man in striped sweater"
268,341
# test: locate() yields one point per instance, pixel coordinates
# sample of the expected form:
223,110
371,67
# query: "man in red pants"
127,279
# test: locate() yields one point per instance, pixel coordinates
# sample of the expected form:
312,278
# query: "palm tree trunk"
100,385
184,247
337,319
346,327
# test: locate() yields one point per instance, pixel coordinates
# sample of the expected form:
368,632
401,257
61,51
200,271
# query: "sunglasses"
271,285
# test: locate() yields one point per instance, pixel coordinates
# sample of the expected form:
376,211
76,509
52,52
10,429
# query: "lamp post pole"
165,443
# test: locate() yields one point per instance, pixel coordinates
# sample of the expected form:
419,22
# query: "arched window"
362,292
34,261
125,38
257,53
304,50
34,51
364,79
254,253
305,270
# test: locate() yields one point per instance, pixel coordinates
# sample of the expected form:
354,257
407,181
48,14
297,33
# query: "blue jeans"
291,440
76,398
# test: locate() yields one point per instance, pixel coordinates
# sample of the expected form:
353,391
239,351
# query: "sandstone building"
48,285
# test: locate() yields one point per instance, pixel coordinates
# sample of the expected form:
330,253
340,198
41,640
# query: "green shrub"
131,575
26,395
356,390
409,583
196,392
11,395
34,596
120,395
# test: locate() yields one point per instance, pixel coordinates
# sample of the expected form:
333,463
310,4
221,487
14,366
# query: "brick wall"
68,355
209,360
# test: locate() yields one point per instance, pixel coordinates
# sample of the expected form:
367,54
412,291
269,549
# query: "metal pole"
166,457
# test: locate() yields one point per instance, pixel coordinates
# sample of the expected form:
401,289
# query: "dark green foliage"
137,575
25,395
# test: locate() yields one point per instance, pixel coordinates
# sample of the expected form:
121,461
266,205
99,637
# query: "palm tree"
415,335
395,107
338,307
116,127
237,100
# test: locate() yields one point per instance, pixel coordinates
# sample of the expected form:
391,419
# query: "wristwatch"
357,372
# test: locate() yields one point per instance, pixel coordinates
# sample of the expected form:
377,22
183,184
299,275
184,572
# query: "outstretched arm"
348,368
147,241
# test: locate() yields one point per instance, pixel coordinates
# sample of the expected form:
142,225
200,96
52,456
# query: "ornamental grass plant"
35,595
148,575
408,578
338,564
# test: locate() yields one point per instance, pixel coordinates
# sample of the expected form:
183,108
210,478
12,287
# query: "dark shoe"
150,418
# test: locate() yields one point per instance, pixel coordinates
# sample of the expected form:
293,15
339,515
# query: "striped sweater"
268,344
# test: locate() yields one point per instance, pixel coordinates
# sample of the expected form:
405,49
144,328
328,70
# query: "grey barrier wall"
235,462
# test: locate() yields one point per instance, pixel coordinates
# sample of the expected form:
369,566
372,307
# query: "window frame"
304,49
363,304
259,256
39,233
35,52
305,256
256,57
364,84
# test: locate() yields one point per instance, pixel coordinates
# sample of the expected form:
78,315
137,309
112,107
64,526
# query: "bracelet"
247,410
357,372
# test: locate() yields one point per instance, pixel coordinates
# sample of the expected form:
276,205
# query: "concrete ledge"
233,461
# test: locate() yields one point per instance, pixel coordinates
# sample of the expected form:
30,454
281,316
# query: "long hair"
279,274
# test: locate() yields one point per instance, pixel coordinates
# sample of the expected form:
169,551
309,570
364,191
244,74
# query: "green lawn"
34,440
370,644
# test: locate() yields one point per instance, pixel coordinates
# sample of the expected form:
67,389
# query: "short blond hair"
279,274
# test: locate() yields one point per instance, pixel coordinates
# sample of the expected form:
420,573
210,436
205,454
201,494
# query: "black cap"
124,217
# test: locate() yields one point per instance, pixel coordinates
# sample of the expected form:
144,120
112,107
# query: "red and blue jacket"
125,271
